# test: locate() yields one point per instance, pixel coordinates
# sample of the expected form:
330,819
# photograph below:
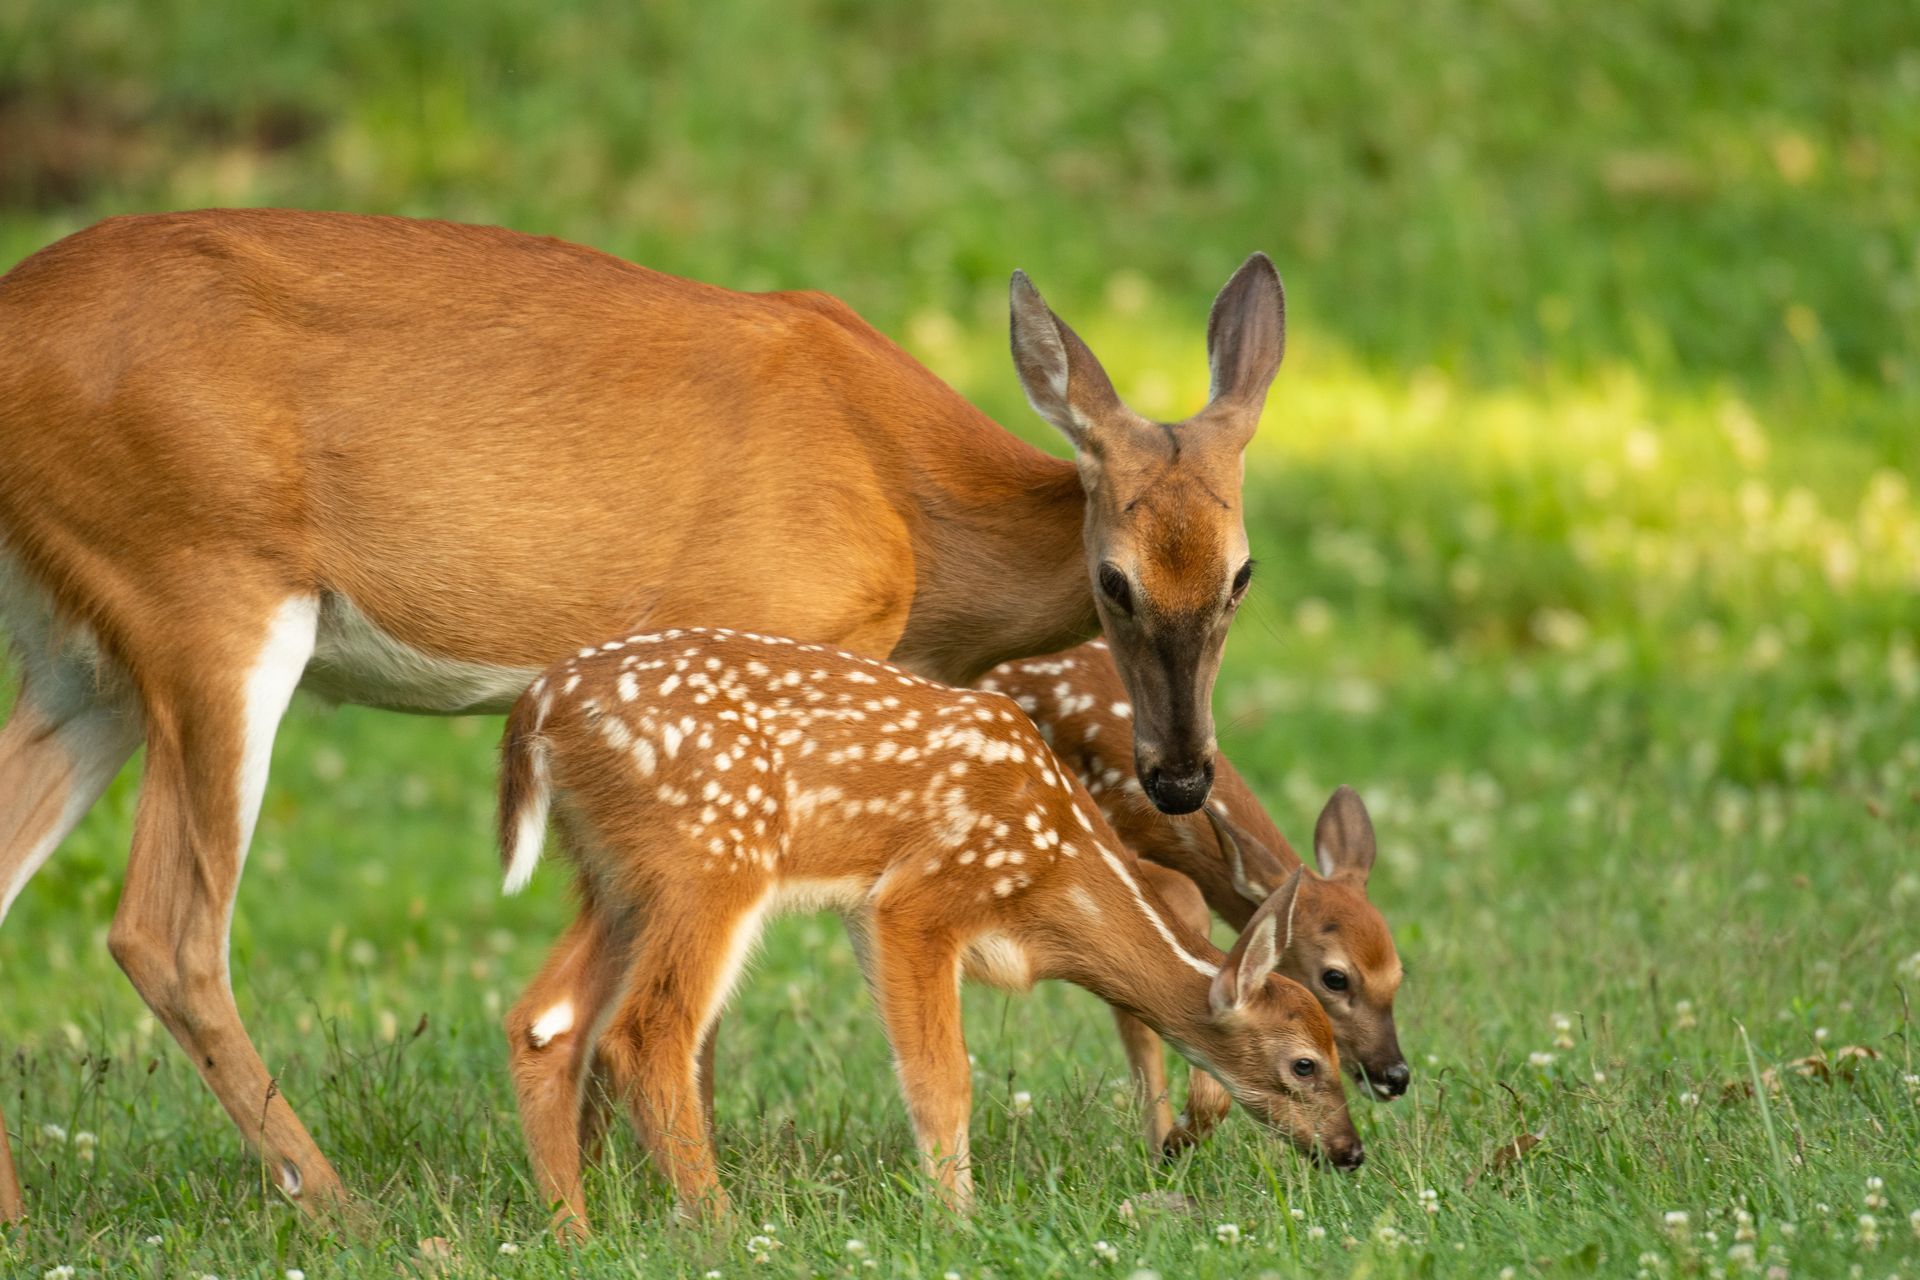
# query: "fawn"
1230,860
704,780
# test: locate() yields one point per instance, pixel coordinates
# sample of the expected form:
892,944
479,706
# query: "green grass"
1590,552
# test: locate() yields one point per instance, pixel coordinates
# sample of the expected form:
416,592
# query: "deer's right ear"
1343,841
1254,956
1063,381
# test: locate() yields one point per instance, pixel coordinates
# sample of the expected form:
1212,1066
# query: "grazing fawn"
705,781
1230,860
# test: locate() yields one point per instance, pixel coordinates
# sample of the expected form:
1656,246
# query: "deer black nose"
1351,1157
1396,1078
1179,788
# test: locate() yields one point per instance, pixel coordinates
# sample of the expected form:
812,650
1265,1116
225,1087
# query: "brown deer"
705,781
1230,858
408,464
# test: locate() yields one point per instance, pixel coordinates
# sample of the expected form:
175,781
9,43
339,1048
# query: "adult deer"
407,464
707,781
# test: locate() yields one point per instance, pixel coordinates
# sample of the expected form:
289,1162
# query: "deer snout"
1348,1155
1178,787
1394,1080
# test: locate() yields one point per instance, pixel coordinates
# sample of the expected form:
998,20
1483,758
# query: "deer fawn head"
1166,545
1338,947
1275,1049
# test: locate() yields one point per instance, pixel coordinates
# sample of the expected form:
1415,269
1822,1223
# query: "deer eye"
1113,584
1303,1067
1241,579
1334,979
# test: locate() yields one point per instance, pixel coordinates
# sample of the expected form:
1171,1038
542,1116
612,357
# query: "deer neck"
1001,567
1137,957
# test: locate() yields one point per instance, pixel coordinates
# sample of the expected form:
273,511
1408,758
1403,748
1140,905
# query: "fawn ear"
1343,838
1234,843
1063,380
1261,944
1247,334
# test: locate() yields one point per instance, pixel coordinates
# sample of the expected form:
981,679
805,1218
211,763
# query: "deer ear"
1343,838
1247,334
1254,956
1246,881
1063,380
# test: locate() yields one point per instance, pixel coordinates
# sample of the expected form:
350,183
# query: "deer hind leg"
915,975
211,716
1207,1099
684,967
550,1043
58,751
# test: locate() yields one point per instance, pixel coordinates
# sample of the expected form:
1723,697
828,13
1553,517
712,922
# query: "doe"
706,780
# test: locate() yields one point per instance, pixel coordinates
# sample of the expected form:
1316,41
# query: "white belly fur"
355,661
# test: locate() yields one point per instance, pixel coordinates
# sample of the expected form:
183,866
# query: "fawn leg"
683,968
550,1046
915,974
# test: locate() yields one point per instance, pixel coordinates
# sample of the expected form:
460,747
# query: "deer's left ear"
1254,956
1247,334
1256,872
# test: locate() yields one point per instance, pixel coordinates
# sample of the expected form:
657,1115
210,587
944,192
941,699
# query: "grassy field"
1590,553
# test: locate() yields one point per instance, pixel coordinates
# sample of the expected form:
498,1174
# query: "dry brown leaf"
1845,1062
437,1255
1505,1156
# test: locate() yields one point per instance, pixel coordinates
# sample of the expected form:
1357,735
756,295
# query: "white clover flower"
1145,1273
1388,1236
1022,1103
1539,1059
153,1240
1105,1252
1599,1077
1744,1256
714,1274
1227,1233
1507,1273
57,1273
1789,1229
1316,1232
1913,1220
1876,1193
759,1244
1910,967
1868,1231
770,1228
1676,1220
295,1273
53,1132
1689,1099
1683,1015
508,1248
854,1248
949,1275
1820,1035
1430,1200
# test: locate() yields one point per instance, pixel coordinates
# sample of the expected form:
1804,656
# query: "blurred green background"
1585,504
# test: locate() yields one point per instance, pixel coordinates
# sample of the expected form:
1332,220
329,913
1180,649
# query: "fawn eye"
1241,579
1303,1067
1113,584
1335,980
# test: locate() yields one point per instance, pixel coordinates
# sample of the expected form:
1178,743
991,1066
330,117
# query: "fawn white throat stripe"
1153,917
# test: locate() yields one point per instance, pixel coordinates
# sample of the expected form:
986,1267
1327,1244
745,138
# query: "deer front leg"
916,978
549,1046
1207,1099
1146,1062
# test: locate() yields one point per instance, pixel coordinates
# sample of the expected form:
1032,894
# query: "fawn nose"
1350,1157
1394,1080
1179,788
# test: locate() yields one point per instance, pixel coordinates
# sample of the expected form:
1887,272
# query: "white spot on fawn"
552,1024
